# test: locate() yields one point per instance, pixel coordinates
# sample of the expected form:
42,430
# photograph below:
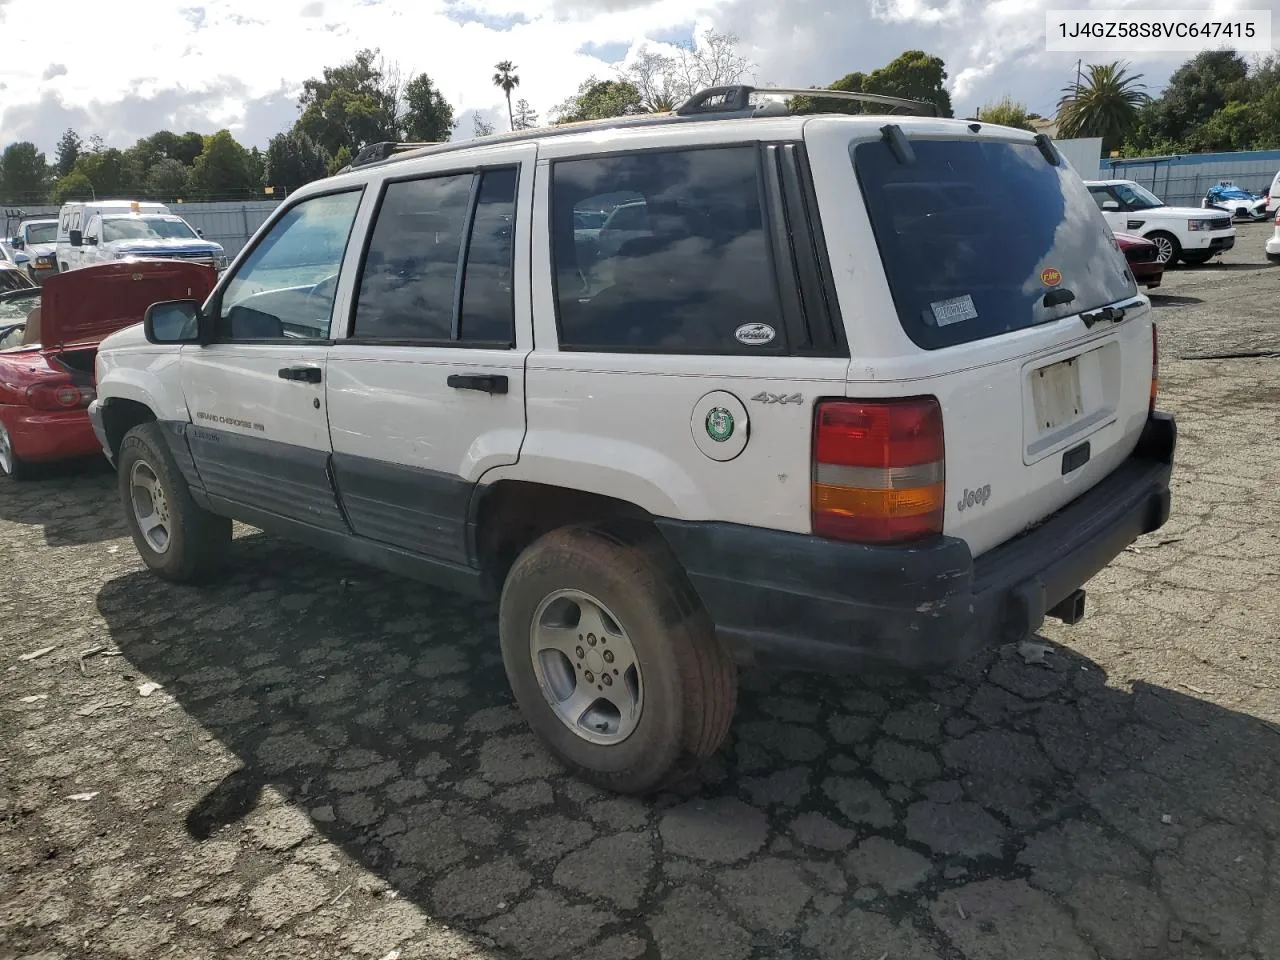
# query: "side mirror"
174,321
91,241
199,233
77,238
17,243
1110,205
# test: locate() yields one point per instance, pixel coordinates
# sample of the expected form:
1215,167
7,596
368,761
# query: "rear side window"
664,251
980,238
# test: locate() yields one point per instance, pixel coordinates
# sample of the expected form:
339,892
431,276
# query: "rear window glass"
975,234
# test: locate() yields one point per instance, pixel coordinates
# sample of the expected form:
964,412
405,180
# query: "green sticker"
719,424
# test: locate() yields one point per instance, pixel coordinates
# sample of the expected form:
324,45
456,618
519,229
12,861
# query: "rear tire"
175,537
684,690
11,466
1168,249
1197,258
1274,257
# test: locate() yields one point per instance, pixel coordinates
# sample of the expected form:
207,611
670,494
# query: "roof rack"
736,99
714,103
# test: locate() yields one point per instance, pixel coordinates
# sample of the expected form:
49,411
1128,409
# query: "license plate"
1055,391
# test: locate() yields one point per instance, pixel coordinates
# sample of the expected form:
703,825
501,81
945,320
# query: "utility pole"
1079,62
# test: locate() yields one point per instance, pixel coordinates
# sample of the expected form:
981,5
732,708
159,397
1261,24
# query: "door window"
417,287
285,288
680,261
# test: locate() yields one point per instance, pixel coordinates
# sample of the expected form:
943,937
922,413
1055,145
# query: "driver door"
259,431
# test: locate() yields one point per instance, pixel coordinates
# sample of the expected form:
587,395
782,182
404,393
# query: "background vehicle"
107,230
1240,203
802,413
1273,242
1273,195
1190,234
1143,257
38,240
48,342
14,277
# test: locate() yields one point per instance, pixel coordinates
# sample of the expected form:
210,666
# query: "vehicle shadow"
75,502
874,809
1172,300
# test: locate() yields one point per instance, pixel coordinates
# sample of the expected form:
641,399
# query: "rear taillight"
1155,370
59,396
878,469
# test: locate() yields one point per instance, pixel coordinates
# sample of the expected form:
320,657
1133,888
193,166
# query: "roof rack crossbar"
374,152
737,97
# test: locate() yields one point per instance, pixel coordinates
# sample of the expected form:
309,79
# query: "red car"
49,337
1142,255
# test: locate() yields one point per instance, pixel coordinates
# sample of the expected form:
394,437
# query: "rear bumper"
803,601
42,437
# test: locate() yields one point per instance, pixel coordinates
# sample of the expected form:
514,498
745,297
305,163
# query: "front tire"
1197,258
175,537
612,659
1168,249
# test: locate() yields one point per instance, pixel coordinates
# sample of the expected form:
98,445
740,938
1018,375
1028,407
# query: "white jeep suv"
1190,234
840,402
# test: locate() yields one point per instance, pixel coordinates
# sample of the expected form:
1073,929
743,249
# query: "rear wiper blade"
1055,298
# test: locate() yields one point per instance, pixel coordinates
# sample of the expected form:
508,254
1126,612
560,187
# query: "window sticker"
954,310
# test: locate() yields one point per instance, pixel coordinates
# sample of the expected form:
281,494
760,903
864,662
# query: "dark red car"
49,338
1143,256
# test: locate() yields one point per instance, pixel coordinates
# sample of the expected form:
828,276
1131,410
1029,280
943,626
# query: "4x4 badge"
765,396
719,424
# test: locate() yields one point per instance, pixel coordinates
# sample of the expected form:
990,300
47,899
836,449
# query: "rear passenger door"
678,362
426,390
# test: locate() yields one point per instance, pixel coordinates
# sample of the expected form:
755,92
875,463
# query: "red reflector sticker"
1051,276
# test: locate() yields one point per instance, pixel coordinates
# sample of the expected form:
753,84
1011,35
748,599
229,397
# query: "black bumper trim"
804,601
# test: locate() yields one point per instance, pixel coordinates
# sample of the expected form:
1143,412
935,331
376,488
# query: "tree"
339,161
67,152
188,148
256,165
1106,105
352,104
74,186
294,159
598,99
506,79
1198,89
1007,113
107,171
428,116
168,179
222,170
480,127
22,173
525,117
913,75
664,81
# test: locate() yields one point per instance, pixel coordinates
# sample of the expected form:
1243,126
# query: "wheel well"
119,416
512,514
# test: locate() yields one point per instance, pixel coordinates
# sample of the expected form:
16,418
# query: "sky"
142,65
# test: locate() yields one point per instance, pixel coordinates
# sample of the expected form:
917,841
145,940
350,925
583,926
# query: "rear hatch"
998,272
80,308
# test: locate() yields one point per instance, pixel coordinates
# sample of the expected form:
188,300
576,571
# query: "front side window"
285,288
1136,197
664,251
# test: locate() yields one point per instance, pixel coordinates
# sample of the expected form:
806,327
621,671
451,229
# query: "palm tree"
507,79
1105,106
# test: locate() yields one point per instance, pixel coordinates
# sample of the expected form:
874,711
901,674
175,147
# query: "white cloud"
240,63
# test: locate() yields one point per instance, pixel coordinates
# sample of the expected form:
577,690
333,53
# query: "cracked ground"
331,765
